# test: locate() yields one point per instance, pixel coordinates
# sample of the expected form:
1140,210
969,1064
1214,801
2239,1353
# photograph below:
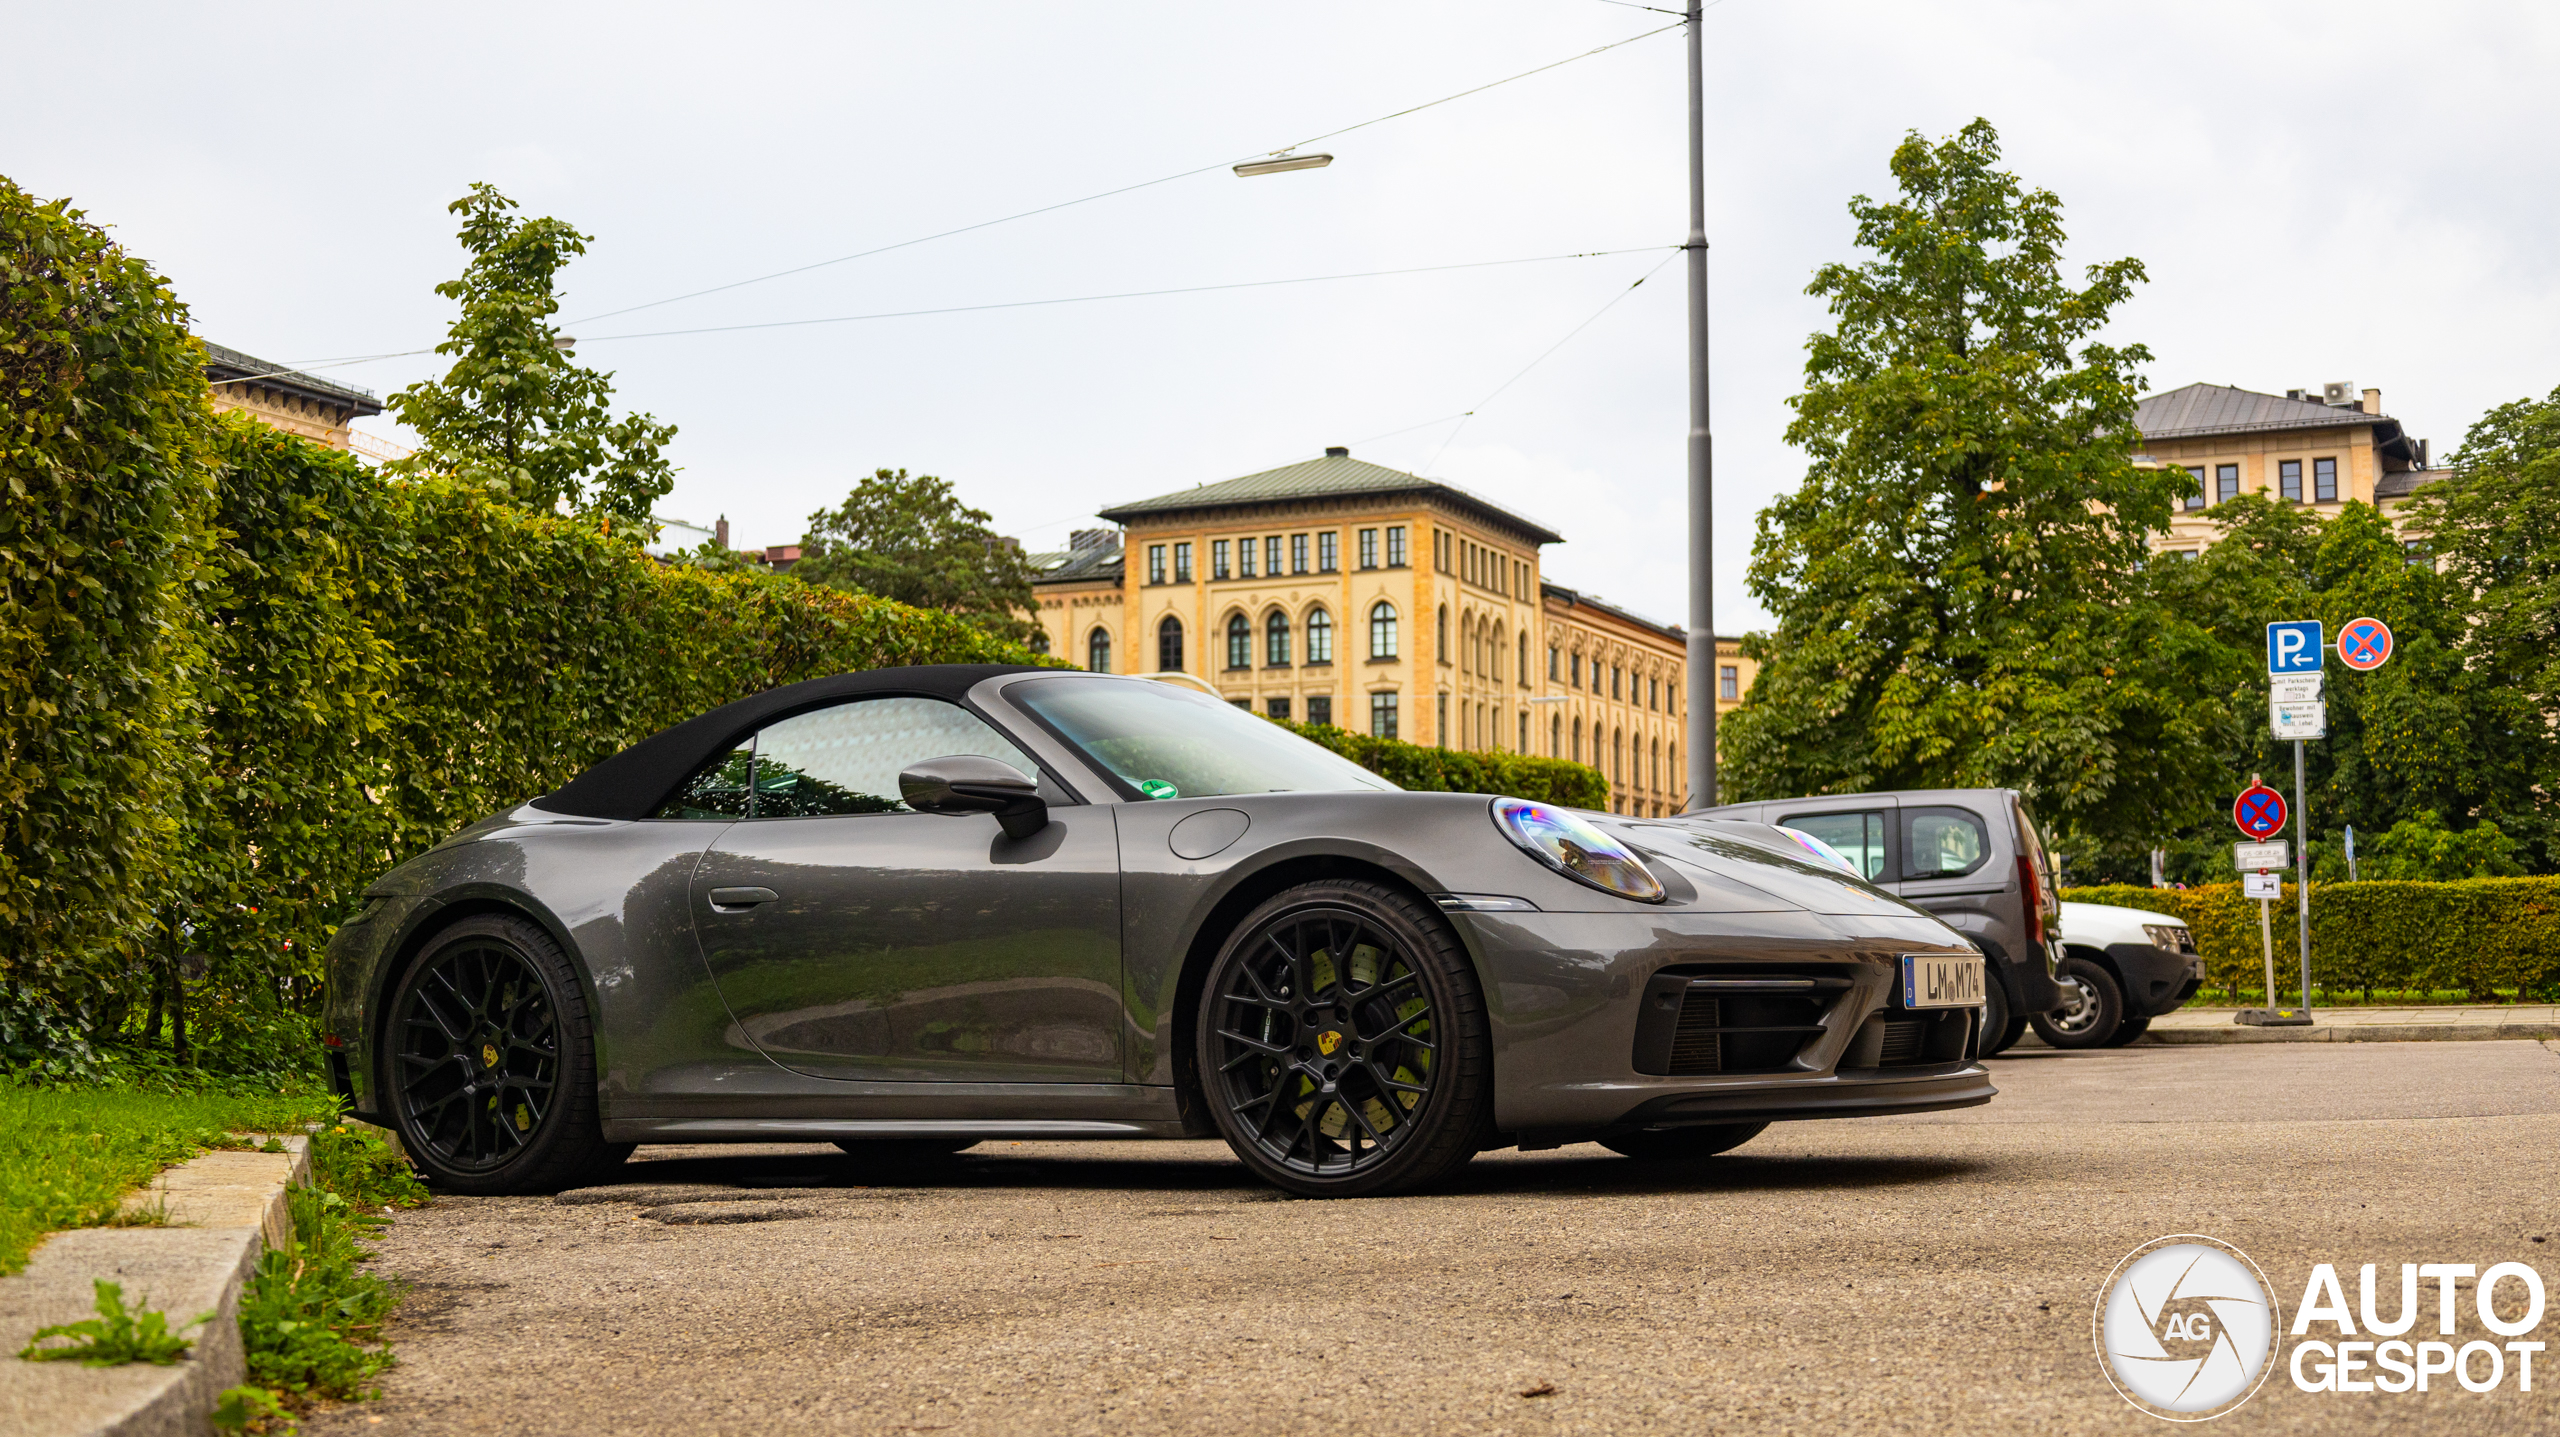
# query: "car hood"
1726,854
2104,923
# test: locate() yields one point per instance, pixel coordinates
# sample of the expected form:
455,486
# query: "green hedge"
2477,935
1425,769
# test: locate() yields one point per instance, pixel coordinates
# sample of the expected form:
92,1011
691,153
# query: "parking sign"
2293,647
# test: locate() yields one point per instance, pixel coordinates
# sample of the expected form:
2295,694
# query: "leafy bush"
2476,935
1425,769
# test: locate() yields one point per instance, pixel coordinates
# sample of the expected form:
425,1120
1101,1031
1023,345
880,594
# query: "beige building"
2319,448
1342,592
316,409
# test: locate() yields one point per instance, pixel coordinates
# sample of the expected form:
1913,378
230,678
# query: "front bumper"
2156,980
1575,1054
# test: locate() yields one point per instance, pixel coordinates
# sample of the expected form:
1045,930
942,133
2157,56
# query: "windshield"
1165,743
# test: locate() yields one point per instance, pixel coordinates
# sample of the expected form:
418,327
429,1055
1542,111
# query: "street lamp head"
1278,163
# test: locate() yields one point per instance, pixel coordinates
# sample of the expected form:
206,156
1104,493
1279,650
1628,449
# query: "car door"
852,937
1861,828
1951,864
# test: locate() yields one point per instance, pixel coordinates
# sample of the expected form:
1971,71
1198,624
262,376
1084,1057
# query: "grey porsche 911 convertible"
908,910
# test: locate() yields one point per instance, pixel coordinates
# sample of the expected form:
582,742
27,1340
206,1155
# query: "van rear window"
1942,842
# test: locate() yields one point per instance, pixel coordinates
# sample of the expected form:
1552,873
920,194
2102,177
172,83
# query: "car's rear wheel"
489,1062
2092,1007
1342,1043
1684,1145
1999,1029
905,1150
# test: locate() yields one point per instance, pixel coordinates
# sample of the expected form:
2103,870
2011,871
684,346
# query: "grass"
69,1155
115,1336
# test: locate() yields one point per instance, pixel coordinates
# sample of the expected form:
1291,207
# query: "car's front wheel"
1684,1145
1342,1043
489,1062
2092,1007
1999,1029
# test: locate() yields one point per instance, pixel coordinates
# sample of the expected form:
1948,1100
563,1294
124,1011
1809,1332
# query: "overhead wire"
1122,190
1543,357
1125,294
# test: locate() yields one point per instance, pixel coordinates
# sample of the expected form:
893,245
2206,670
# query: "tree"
517,413
1960,582
911,539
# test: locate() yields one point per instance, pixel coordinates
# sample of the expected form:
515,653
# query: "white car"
2121,968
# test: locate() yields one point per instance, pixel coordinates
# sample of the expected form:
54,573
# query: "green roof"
1335,476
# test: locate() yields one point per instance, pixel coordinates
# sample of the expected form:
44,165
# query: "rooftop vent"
2339,393
1336,451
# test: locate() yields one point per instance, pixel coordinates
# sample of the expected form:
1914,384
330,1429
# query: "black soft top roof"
632,783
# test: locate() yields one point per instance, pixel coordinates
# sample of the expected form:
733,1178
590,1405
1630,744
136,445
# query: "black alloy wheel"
2092,1007
1999,1029
1342,1043
1683,1145
489,1062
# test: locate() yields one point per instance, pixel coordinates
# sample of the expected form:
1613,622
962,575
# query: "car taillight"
2034,892
332,1040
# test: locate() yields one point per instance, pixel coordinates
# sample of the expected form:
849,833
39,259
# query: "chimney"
720,532
2372,402
1336,451
781,556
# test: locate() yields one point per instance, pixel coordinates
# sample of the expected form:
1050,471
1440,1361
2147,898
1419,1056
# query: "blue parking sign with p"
2294,647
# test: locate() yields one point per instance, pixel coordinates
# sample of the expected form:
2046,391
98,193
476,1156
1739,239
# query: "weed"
114,1337
251,1409
310,1311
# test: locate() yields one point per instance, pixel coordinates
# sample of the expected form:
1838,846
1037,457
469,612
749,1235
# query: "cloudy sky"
2340,191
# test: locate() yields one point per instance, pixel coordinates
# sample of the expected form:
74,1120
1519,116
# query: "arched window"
1577,740
1239,642
1655,782
1169,645
1382,630
1319,636
1275,640
1097,650
1493,654
1618,757
1444,633
1040,641
1523,670
1555,737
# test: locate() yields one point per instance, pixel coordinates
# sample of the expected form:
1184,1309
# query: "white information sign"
2297,719
2256,856
2262,885
2296,688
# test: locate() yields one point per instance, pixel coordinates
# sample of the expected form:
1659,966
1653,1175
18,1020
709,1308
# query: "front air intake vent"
1746,1023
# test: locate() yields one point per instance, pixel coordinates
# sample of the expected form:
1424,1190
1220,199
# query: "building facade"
313,408
1343,592
2322,448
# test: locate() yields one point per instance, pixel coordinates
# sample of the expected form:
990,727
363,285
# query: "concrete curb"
2349,1033
223,1210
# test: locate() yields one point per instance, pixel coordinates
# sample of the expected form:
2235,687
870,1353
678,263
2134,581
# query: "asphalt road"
1931,1274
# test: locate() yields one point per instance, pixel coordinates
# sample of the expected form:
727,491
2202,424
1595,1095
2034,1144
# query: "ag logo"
1328,1040
2185,1328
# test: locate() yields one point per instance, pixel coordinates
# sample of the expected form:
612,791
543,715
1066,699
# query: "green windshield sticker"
1158,788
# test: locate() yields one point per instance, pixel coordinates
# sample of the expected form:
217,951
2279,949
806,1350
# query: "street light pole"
1702,591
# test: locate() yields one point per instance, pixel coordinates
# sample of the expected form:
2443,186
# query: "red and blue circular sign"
2364,644
2260,811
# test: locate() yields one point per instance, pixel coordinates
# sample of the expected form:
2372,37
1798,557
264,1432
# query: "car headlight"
1575,849
2175,939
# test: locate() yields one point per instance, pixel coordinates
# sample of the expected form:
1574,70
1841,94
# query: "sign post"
2260,813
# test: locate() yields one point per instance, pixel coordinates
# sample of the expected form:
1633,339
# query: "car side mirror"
974,783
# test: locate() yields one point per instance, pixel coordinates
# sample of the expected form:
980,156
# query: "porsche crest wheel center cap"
489,1054
1329,1041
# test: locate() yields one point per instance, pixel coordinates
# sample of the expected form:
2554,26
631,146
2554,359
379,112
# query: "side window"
1942,842
847,759
719,791
1858,836
839,760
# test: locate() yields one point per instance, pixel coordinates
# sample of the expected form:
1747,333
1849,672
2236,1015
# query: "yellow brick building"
314,408
1343,592
2320,448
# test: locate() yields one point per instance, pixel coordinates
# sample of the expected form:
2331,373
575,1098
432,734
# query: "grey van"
1969,855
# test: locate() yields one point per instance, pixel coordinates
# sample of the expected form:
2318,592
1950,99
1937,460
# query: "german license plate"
1942,980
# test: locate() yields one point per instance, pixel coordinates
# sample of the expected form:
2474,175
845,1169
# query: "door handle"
731,900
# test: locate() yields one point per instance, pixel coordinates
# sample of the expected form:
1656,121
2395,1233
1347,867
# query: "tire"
2128,1030
1683,1145
2092,1007
1999,1029
488,1063
1369,1077
905,1150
